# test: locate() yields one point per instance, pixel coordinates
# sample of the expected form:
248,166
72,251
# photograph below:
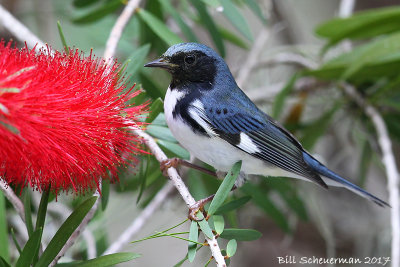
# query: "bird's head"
191,63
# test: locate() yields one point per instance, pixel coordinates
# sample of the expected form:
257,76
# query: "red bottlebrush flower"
63,119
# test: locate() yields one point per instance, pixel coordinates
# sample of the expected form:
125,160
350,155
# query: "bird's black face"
188,67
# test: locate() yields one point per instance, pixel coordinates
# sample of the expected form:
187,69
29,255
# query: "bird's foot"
169,163
199,206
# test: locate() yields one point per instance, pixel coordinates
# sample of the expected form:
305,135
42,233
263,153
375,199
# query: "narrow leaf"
106,260
236,18
159,28
65,231
193,235
15,241
233,205
62,37
136,59
260,198
29,251
282,95
105,193
225,188
4,263
3,229
253,5
167,6
28,215
99,13
155,109
219,223
240,234
210,25
231,248
176,149
203,224
41,216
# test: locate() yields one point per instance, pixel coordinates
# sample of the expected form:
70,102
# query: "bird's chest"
212,150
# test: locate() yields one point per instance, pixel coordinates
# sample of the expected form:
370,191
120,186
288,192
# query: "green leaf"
193,235
288,194
176,149
136,59
260,198
30,249
366,24
99,13
27,207
62,37
3,229
41,216
203,224
4,263
365,161
83,3
167,6
150,87
15,241
104,261
210,25
232,38
225,188
65,231
233,205
240,234
316,129
282,95
219,223
212,3
231,248
253,5
160,132
105,193
159,28
235,17
155,109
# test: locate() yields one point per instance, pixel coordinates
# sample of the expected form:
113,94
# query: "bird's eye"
190,59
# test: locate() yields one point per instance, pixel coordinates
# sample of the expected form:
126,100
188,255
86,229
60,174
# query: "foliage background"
300,219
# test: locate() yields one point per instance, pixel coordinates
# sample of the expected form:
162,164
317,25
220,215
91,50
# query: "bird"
211,117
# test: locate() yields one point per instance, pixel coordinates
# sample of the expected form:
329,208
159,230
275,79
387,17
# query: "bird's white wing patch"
247,144
197,112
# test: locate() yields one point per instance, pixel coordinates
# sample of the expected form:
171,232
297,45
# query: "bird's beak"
161,63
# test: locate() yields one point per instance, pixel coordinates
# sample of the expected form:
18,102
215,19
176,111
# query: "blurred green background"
290,57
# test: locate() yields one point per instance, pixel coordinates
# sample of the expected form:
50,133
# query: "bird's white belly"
213,151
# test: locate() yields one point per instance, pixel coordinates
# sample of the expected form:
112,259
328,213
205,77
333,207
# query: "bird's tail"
336,180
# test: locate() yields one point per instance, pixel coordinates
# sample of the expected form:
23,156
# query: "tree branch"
19,30
12,197
389,162
182,189
116,31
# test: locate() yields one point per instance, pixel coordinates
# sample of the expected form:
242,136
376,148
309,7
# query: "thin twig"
182,189
287,58
12,197
140,220
389,162
19,30
118,28
71,240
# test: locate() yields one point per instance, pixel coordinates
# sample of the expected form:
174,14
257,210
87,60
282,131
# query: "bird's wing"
255,133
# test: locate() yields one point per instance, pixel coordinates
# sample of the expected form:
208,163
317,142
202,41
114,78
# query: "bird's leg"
199,205
175,162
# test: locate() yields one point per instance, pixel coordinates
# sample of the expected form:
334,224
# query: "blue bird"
217,123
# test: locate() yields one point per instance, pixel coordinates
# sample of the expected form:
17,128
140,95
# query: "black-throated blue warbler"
217,123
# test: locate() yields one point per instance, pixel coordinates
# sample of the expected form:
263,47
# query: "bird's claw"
168,163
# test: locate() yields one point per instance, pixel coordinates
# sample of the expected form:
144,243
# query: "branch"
140,220
182,189
287,58
19,30
118,28
12,197
389,162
